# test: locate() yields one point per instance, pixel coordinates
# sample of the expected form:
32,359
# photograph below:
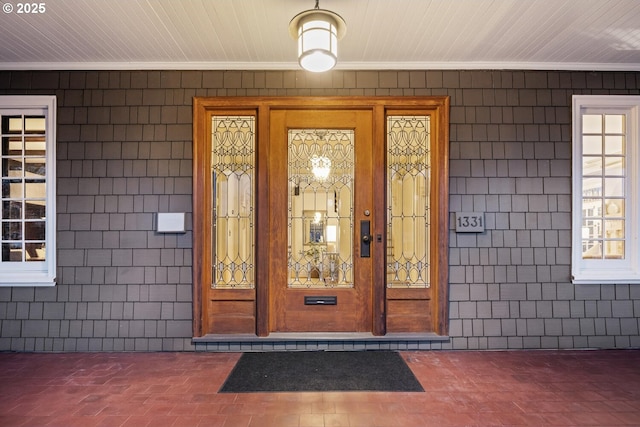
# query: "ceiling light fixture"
317,32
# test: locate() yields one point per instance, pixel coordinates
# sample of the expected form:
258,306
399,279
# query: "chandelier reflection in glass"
320,209
320,167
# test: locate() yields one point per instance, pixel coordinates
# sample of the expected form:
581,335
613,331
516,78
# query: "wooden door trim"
205,107
378,293
263,213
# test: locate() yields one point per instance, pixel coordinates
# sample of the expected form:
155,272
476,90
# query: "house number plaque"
469,222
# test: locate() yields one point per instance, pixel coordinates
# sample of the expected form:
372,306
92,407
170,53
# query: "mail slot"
330,300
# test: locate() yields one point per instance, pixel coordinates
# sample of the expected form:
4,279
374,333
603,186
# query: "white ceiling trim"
449,65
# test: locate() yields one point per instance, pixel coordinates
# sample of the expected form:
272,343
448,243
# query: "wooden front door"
322,212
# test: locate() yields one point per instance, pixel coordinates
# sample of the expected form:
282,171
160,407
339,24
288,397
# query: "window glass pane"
591,187
35,252
592,123
11,210
614,249
614,187
592,228
592,165
34,146
11,146
591,249
12,167
614,229
614,123
615,166
11,124
591,208
35,189
615,207
592,144
11,230
35,168
614,144
34,124
11,189
34,210
34,230
12,252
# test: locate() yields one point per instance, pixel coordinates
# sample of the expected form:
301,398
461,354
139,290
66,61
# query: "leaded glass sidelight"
603,186
233,183
408,169
320,208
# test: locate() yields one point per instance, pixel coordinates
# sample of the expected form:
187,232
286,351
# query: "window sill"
26,280
609,279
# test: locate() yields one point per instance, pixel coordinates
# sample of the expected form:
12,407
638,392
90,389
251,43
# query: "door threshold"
322,336
338,341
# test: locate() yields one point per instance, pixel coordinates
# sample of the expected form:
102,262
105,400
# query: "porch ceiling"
381,34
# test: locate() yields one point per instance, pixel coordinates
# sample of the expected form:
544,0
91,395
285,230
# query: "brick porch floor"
520,388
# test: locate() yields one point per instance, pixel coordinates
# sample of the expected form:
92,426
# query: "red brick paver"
462,388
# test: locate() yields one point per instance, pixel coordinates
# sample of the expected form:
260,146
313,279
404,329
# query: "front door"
320,214
322,211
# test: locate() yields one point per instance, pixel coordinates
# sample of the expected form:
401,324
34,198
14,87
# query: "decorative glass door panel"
408,180
232,174
321,166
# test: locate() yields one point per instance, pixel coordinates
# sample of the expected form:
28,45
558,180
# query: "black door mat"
321,371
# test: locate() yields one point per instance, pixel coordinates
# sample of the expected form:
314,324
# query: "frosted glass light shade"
317,32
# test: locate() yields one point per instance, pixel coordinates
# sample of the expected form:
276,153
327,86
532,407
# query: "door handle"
365,239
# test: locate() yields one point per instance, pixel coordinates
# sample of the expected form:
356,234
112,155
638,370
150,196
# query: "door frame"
252,316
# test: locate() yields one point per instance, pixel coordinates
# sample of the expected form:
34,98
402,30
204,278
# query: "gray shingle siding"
124,153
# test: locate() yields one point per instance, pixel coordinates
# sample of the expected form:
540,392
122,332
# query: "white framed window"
28,193
606,202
